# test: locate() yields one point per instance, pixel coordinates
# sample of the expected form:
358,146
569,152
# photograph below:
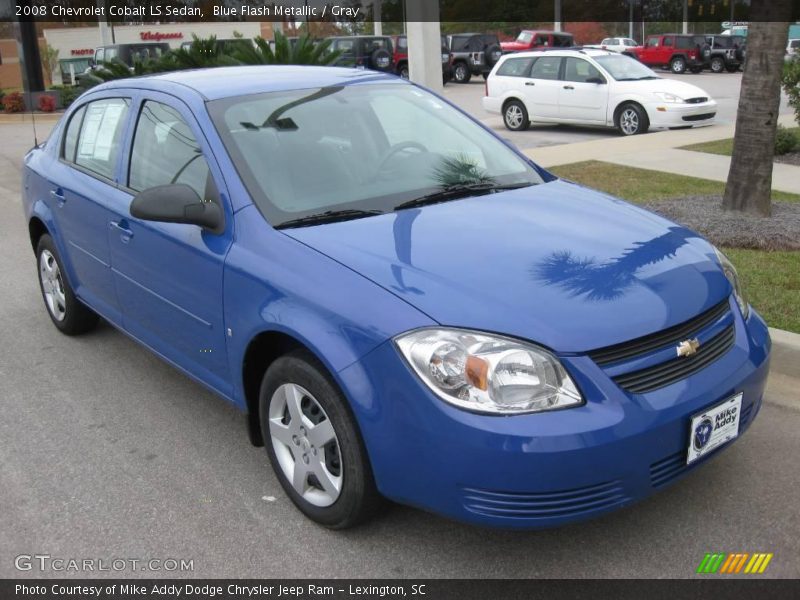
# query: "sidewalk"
25,117
659,152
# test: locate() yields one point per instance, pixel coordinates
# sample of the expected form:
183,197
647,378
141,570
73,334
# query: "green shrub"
785,141
68,93
791,85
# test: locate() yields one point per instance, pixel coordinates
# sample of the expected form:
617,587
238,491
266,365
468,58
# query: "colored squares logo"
737,562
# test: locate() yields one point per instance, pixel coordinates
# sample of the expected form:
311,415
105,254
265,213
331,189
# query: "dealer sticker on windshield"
714,427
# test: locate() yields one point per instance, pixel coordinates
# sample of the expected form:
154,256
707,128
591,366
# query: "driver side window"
165,151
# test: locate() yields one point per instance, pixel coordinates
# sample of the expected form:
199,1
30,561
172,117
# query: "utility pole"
29,58
557,15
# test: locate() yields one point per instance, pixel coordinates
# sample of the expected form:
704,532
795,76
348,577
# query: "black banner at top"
450,11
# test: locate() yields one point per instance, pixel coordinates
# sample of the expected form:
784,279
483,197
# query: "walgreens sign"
155,36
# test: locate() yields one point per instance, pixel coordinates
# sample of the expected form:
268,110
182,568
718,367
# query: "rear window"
563,41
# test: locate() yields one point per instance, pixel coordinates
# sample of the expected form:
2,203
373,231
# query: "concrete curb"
785,353
18,118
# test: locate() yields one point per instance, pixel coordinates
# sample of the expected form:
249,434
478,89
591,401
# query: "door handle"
58,196
569,87
529,83
125,234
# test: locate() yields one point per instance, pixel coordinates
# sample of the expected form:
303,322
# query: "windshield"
358,148
524,37
624,68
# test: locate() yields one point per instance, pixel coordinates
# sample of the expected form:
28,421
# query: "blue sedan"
402,304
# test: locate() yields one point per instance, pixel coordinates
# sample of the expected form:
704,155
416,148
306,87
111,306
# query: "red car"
531,40
677,51
401,58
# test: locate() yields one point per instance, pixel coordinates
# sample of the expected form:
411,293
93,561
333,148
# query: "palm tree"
750,176
202,53
304,51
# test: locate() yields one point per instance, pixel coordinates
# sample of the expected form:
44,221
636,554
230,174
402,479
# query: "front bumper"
547,469
664,114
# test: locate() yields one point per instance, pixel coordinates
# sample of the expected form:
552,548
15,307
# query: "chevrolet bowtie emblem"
688,347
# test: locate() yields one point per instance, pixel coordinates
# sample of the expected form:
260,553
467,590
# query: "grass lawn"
771,279
724,147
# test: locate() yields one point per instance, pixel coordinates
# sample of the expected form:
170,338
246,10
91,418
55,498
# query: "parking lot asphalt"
723,87
107,452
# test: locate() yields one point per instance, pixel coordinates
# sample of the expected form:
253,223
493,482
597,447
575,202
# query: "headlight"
487,373
669,98
733,277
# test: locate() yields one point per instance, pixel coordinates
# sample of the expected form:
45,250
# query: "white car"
617,44
592,87
792,50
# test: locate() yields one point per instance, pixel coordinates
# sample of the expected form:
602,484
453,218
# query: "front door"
168,276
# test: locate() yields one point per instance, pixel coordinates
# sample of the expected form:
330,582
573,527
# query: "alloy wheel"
514,116
461,72
629,121
52,285
305,445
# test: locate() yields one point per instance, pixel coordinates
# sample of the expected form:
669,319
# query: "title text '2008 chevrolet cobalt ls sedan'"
404,305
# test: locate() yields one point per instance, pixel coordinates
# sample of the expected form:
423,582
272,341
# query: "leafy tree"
304,51
49,57
791,85
201,54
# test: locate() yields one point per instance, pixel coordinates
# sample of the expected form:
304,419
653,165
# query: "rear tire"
717,65
314,445
632,120
461,73
678,65
515,116
69,315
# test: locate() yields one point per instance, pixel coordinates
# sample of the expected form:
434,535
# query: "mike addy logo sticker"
737,562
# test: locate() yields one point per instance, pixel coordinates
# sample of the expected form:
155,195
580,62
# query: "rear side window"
71,135
515,67
100,137
546,67
685,43
165,151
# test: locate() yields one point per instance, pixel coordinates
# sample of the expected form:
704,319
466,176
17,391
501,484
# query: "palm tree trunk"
750,176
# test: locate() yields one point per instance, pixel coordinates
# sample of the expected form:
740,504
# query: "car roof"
591,52
225,82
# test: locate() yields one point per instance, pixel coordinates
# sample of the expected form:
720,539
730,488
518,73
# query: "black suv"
473,54
364,51
727,52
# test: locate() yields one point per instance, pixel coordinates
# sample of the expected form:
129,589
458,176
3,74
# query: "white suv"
591,87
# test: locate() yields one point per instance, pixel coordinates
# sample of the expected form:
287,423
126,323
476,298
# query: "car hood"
561,265
514,46
679,88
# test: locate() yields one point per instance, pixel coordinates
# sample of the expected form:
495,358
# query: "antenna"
33,124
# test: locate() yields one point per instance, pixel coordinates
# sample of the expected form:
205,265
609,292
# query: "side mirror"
598,80
176,203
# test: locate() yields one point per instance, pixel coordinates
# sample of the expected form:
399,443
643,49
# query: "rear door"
84,185
581,98
543,87
512,78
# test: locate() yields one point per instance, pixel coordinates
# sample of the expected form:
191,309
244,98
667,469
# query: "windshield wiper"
453,192
329,216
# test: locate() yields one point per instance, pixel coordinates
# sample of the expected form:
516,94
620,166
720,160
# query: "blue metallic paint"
558,264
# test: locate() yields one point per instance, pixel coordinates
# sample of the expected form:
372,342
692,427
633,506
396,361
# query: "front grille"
702,117
544,505
666,337
698,100
666,373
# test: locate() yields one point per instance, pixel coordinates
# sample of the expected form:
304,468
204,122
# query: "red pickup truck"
532,39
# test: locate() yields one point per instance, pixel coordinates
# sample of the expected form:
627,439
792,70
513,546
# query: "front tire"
515,116
314,445
632,120
69,315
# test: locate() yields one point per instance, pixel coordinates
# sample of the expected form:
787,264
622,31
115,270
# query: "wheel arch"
36,229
